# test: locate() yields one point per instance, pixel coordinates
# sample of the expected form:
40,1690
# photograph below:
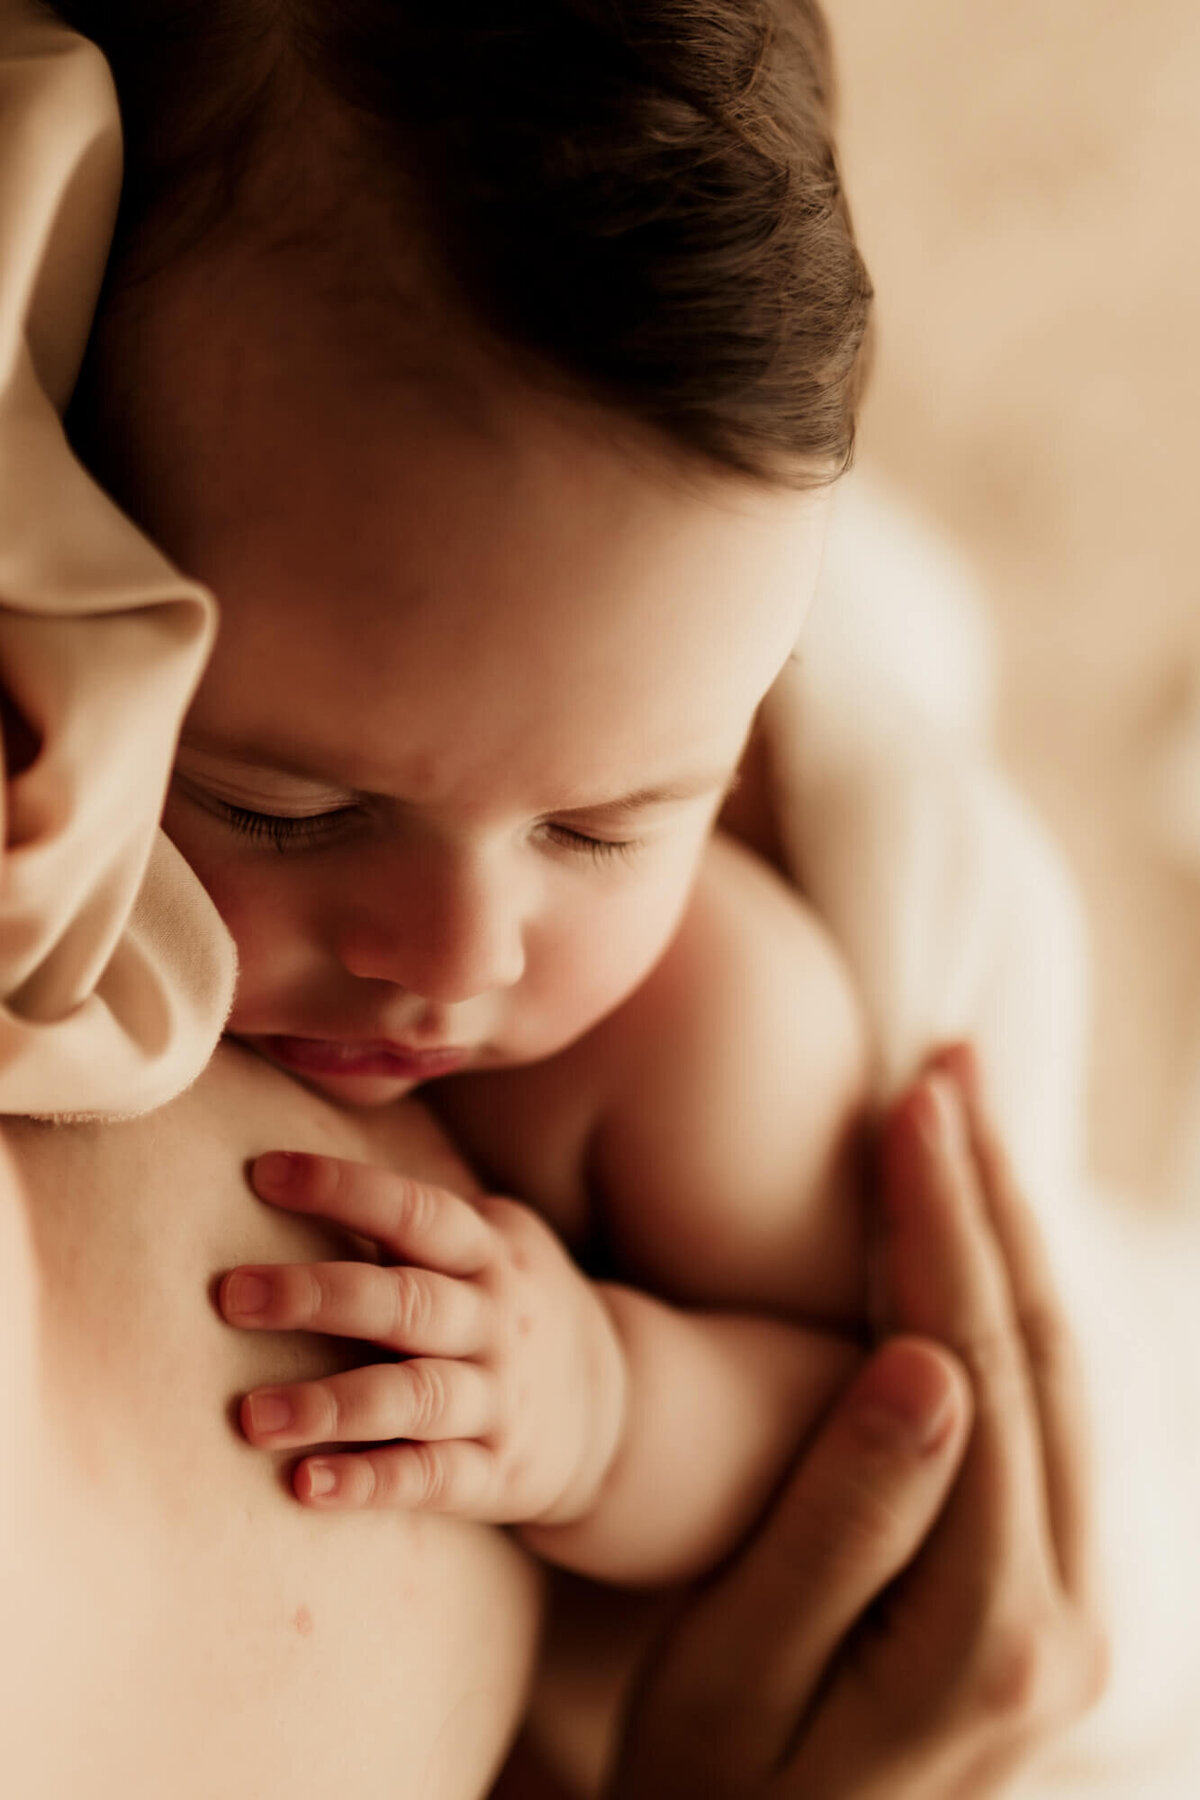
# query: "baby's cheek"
579,974
276,939
229,881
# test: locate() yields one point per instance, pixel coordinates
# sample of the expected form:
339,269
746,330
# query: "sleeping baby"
500,411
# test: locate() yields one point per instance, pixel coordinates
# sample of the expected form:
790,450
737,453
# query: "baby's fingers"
443,1477
408,1310
425,1398
412,1220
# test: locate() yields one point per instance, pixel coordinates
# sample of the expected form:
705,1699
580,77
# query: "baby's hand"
510,1406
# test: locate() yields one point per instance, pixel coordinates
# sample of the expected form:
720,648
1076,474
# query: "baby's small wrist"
606,1406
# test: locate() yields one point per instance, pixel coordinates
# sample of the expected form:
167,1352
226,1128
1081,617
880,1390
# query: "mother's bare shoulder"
164,1593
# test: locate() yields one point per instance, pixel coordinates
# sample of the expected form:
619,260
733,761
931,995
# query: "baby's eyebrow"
266,760
660,794
250,760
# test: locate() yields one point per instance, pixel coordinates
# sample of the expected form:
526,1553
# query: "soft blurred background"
1026,181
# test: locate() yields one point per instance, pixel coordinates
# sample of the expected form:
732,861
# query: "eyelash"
287,833
601,850
284,832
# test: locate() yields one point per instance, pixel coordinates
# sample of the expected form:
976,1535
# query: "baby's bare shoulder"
751,978
744,1074
747,924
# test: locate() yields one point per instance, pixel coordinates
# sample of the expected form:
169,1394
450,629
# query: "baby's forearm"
717,1405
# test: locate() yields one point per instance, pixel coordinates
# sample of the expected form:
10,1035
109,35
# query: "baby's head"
491,363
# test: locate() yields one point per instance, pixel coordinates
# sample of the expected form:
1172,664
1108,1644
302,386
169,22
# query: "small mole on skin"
524,1325
302,1619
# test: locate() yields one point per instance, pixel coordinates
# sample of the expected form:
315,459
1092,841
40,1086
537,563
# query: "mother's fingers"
725,1696
1050,1349
412,1220
987,1612
947,1279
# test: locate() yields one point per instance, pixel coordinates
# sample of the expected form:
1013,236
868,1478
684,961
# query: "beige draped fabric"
115,971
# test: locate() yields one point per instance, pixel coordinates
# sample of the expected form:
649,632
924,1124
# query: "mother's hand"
917,1616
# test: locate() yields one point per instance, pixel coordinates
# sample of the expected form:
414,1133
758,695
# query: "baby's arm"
629,1440
726,1168
716,1407
726,1163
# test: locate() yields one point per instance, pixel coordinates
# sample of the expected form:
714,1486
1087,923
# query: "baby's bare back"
175,1623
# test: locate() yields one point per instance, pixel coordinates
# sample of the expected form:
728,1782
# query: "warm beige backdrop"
1026,178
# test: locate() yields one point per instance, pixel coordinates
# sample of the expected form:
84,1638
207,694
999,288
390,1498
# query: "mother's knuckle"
1017,1674
1008,1673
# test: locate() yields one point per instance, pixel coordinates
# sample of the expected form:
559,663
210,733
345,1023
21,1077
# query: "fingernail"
895,1428
246,1294
277,1169
909,1404
322,1479
269,1412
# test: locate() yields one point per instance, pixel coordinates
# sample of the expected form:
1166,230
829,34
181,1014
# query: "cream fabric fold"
949,900
116,973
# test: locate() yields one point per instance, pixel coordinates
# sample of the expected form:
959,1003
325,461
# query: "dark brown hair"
642,194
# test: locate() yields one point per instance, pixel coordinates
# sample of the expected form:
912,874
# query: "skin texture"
174,1623
448,864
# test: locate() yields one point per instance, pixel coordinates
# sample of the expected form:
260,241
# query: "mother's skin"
174,1623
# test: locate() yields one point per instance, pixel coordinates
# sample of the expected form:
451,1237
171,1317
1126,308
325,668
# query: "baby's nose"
446,939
